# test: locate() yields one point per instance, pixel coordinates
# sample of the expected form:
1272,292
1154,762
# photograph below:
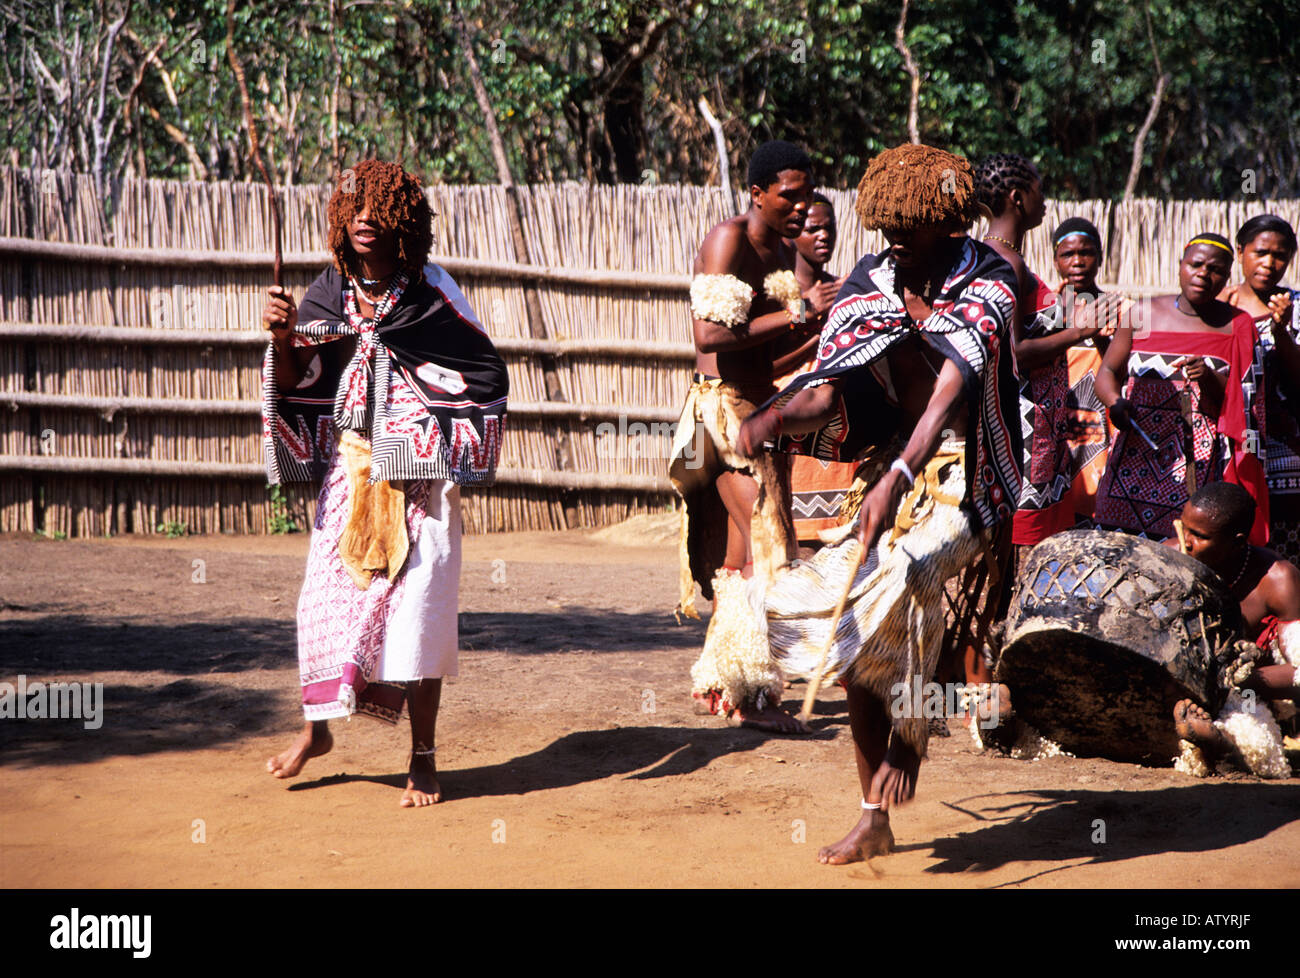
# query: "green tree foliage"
607,90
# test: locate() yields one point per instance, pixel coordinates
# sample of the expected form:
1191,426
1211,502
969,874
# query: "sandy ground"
569,752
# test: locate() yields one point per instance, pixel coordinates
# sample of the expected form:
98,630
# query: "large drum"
1105,634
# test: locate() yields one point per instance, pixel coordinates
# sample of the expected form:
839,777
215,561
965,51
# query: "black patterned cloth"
969,325
425,385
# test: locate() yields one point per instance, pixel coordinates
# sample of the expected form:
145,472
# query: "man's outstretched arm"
881,503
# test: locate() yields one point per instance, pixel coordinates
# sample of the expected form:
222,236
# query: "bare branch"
913,104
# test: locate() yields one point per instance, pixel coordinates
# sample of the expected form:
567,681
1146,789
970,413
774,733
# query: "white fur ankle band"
870,806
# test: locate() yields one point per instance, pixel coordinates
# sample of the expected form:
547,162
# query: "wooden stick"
247,103
1182,536
815,684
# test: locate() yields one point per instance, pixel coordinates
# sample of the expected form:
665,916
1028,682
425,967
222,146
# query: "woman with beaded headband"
1266,244
384,387
1180,382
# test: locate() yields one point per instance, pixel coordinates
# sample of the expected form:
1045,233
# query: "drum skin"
1105,634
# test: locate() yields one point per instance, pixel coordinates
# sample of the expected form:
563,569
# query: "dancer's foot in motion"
314,741
870,837
422,786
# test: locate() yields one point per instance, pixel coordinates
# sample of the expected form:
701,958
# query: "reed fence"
130,345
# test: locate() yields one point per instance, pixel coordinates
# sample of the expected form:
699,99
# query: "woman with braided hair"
913,382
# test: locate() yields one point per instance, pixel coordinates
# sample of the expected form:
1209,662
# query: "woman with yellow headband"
1066,436
1266,244
1179,380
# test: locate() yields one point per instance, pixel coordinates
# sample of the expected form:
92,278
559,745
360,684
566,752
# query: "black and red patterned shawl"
970,326
425,385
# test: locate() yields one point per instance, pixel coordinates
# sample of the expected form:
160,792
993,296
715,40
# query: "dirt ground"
569,752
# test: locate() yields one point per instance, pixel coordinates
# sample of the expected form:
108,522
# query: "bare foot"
870,837
422,786
771,718
896,776
1191,722
314,741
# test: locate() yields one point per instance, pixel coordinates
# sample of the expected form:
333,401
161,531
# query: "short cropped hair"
1209,237
1228,505
1264,223
1076,225
771,158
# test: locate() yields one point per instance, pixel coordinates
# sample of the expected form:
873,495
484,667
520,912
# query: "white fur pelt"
1248,725
736,658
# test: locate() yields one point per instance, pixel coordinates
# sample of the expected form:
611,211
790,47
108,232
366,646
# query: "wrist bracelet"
901,466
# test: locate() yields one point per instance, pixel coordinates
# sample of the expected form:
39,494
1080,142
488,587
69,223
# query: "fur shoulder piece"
721,298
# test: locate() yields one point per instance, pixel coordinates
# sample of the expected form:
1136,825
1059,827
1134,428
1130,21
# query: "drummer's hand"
880,507
281,313
1121,414
759,427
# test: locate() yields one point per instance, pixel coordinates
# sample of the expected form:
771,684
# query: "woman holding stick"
386,388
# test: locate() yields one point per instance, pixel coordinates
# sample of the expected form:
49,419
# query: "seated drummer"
1216,522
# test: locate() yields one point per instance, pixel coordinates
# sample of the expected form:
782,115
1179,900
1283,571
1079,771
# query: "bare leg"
739,493
314,741
871,836
422,788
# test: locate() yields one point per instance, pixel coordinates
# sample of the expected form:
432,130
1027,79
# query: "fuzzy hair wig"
394,199
911,186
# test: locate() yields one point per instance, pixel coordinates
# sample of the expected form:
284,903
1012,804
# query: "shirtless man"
744,299
917,331
1216,523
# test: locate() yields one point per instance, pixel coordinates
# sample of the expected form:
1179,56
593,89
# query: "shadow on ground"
68,644
1083,827
638,753
182,715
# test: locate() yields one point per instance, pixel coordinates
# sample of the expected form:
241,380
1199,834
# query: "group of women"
1129,405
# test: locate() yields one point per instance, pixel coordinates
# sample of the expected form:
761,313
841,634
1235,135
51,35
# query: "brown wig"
911,186
394,200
